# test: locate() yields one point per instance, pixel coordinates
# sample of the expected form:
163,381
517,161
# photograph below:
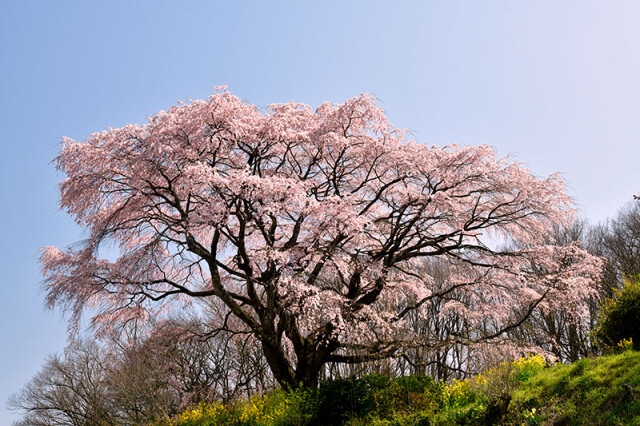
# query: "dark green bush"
343,398
374,396
620,316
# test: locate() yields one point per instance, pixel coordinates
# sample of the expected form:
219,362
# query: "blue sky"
554,84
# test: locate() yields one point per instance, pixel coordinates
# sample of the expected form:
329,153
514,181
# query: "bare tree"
67,391
621,241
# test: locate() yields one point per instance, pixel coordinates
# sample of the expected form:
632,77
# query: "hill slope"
603,390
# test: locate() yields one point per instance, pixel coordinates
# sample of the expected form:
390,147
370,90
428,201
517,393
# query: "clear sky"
554,84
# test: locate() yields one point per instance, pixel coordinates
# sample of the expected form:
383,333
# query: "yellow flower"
625,344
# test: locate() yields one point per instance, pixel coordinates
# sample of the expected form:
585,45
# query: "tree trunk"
279,365
310,361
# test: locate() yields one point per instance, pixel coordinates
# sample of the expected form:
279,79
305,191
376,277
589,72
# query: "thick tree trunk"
279,365
310,362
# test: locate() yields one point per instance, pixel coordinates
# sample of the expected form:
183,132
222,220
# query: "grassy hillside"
604,390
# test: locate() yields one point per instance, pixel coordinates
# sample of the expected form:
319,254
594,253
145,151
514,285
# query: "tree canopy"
312,228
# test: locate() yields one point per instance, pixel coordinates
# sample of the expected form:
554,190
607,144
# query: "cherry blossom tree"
310,227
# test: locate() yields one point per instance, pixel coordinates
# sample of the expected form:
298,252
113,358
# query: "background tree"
137,379
308,226
68,391
620,242
556,330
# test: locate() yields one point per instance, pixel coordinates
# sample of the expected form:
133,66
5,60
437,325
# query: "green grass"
603,390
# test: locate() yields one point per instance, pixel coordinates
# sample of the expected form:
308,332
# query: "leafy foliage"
620,316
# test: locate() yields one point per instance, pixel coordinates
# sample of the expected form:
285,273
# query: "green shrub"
619,317
276,408
375,397
497,384
337,400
